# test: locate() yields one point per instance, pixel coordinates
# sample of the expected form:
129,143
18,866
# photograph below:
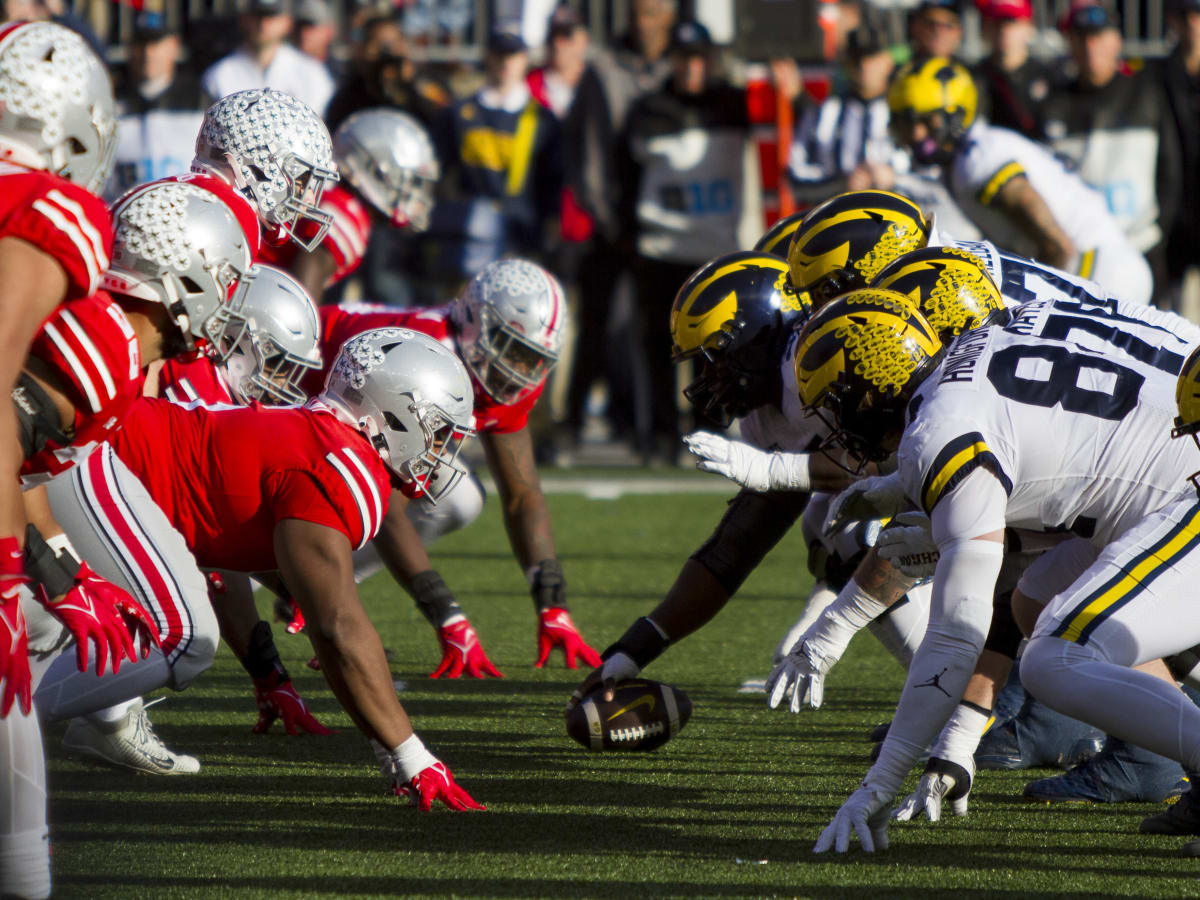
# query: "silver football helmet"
56,104
510,320
388,158
277,151
177,244
412,398
267,337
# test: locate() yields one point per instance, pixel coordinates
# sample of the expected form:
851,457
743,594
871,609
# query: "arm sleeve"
960,613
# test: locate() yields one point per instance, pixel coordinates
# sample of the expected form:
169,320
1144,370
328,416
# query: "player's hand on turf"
740,463
875,497
555,629
865,813
277,699
97,611
14,638
436,782
907,543
618,667
462,652
799,676
943,780
288,612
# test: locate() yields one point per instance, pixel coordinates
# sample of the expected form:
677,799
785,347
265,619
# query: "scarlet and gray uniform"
347,237
463,503
183,488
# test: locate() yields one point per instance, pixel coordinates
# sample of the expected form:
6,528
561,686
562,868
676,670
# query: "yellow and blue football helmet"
940,94
735,314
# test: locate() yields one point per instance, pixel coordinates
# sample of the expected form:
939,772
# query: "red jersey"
346,239
91,347
194,380
60,218
340,323
224,477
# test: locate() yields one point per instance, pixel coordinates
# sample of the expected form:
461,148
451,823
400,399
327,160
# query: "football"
643,715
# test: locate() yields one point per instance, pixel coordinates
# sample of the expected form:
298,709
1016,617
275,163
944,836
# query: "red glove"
461,650
555,629
436,782
99,611
14,639
287,610
278,700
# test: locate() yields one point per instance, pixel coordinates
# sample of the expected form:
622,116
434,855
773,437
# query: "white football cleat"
130,743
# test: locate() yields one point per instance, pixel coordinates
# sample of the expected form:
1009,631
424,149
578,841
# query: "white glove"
800,676
943,780
754,469
907,543
875,497
867,813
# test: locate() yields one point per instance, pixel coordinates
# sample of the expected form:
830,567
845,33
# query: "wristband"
262,659
411,758
434,599
547,585
643,642
53,568
789,471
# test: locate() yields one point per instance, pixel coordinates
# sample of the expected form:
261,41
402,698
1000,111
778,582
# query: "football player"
388,170
507,326
1017,191
737,316
292,489
974,456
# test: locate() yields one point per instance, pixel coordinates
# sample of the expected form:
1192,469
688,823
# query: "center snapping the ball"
642,715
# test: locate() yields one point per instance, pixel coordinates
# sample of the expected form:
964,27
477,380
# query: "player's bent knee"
198,648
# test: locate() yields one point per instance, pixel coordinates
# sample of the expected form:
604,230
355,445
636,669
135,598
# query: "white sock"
24,838
111,714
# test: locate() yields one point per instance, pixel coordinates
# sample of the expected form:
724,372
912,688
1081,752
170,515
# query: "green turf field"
729,809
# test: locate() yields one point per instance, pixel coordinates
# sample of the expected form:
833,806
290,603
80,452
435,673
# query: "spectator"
680,166
935,28
383,73
1115,126
315,30
570,87
501,154
266,59
638,62
1180,73
159,108
52,11
1012,84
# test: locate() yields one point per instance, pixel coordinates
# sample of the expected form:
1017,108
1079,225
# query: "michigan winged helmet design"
860,359
735,314
939,93
843,243
778,237
951,287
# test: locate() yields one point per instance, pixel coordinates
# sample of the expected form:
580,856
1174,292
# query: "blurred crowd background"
558,126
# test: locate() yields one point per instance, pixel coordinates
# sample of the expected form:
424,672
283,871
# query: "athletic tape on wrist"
643,642
411,758
434,598
548,585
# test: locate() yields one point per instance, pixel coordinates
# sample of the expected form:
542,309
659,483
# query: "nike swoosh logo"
640,701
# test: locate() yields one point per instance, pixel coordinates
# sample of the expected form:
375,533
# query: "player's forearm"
400,547
32,284
1029,211
12,509
530,533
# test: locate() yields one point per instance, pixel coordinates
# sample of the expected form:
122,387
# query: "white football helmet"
412,398
267,337
56,104
177,244
388,158
277,151
510,320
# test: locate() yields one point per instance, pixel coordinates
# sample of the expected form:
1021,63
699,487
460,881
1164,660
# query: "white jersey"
788,427
991,157
1079,440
